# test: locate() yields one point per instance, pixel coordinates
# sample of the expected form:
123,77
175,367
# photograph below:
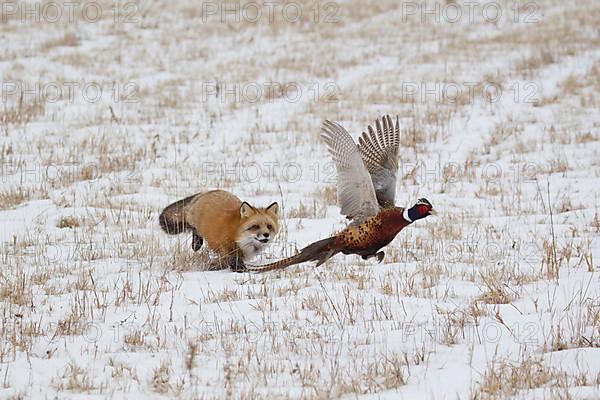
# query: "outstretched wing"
356,194
379,150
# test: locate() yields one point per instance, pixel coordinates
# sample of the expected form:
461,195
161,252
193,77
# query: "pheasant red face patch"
423,209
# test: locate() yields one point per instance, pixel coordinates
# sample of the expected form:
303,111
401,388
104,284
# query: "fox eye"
270,227
254,227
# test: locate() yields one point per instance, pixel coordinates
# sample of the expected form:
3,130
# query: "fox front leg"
236,264
197,241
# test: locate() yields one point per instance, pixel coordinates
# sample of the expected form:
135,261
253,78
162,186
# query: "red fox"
234,229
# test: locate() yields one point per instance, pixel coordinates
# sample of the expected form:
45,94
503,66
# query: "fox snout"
261,231
263,237
256,237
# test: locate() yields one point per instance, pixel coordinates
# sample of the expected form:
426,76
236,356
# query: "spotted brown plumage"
366,191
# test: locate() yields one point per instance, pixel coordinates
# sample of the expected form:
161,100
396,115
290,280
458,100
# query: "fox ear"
246,210
274,208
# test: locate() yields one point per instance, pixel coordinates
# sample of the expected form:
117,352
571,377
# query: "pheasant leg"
379,255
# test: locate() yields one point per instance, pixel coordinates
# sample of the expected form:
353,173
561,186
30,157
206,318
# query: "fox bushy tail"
319,251
172,219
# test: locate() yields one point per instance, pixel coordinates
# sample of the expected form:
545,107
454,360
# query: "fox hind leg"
197,241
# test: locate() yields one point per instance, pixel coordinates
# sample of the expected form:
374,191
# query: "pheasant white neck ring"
405,215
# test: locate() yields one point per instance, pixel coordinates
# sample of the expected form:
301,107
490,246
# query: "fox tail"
172,219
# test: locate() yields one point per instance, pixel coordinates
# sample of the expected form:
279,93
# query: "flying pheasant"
366,190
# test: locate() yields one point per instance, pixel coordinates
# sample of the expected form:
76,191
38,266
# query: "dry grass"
69,39
313,210
175,323
20,114
76,379
14,196
504,379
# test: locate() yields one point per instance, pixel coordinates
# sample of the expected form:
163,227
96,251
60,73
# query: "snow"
97,302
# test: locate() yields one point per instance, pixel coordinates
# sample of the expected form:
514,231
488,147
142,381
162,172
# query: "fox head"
258,227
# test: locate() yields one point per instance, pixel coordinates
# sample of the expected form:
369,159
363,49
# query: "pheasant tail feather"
319,251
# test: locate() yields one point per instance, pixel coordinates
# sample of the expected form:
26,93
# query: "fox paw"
238,266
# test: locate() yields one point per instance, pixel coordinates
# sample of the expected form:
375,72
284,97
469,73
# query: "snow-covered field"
110,111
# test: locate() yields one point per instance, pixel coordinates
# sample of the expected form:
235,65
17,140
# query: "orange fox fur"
232,228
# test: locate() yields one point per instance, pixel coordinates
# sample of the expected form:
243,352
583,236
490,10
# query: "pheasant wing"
356,194
379,150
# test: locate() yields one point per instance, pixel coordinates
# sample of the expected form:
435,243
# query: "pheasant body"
366,188
364,239
372,234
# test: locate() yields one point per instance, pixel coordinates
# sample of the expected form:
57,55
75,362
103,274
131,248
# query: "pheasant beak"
432,212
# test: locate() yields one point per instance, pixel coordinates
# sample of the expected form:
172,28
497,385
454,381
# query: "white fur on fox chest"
250,247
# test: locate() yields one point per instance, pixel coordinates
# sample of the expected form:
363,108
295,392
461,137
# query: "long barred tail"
281,264
319,251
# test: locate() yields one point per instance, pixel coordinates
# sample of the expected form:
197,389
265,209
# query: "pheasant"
366,190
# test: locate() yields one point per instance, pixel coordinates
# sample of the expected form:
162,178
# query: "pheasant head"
421,209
